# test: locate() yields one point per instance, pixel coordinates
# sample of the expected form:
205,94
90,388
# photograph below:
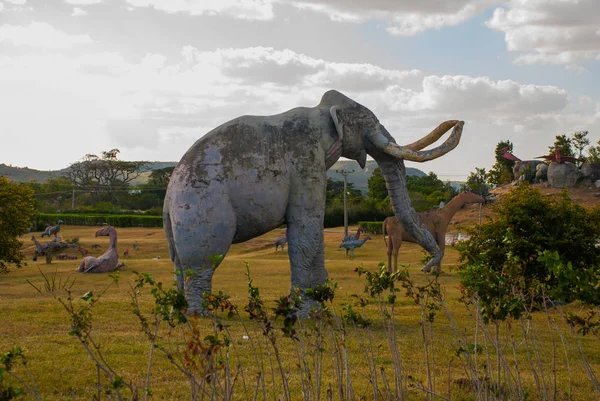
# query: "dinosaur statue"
52,230
250,175
108,261
353,237
351,245
435,220
50,249
281,241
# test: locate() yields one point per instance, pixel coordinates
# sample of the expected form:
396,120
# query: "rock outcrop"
562,175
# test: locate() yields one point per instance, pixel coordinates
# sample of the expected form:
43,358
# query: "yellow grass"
38,323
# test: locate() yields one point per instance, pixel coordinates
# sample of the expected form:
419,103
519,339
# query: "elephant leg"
197,242
306,247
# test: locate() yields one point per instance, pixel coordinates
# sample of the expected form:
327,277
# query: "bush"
372,227
16,210
527,226
116,220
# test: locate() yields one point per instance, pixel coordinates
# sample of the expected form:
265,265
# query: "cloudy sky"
151,76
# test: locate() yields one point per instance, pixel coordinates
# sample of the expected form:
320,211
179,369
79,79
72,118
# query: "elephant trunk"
394,173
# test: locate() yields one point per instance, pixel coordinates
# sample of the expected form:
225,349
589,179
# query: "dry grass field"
548,363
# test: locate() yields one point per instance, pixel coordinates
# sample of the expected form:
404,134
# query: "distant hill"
25,174
359,177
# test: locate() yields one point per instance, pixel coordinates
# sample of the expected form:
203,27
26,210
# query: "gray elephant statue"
254,173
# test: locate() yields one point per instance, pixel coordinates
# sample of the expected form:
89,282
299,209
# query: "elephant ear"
338,126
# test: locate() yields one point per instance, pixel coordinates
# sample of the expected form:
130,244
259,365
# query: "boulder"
526,169
562,175
541,172
591,171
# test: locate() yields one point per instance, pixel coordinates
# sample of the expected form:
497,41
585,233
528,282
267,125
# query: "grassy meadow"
540,357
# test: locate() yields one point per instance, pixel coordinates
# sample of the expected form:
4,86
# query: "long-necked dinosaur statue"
435,220
108,261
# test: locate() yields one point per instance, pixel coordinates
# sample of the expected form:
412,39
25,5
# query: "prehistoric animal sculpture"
557,157
66,256
84,252
135,245
435,220
96,246
509,156
108,261
52,230
126,253
254,173
51,248
352,245
353,237
281,241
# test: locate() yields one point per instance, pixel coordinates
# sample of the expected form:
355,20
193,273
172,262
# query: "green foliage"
371,227
594,154
502,258
103,174
428,191
376,184
335,193
502,170
476,182
115,220
16,214
562,143
580,141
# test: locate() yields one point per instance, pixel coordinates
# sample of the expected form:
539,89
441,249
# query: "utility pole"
345,174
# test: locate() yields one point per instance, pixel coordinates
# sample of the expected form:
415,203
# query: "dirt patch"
585,194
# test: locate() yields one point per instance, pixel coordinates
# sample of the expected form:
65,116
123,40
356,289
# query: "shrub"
528,225
16,211
116,220
371,227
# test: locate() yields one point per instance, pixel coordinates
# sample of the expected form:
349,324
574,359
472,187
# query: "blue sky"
150,77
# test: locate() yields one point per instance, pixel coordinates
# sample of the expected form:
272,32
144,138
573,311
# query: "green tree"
104,174
16,215
562,143
476,182
502,170
376,184
580,141
160,177
335,192
594,154
513,247
426,192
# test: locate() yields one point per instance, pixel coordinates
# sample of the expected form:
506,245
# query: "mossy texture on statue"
254,173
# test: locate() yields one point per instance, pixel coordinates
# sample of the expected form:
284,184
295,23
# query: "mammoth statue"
254,173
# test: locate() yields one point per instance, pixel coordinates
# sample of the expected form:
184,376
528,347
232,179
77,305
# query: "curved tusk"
424,155
432,136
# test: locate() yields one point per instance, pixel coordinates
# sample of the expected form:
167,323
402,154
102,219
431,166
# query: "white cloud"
78,12
550,31
406,17
40,34
18,2
155,107
1,6
241,9
83,2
